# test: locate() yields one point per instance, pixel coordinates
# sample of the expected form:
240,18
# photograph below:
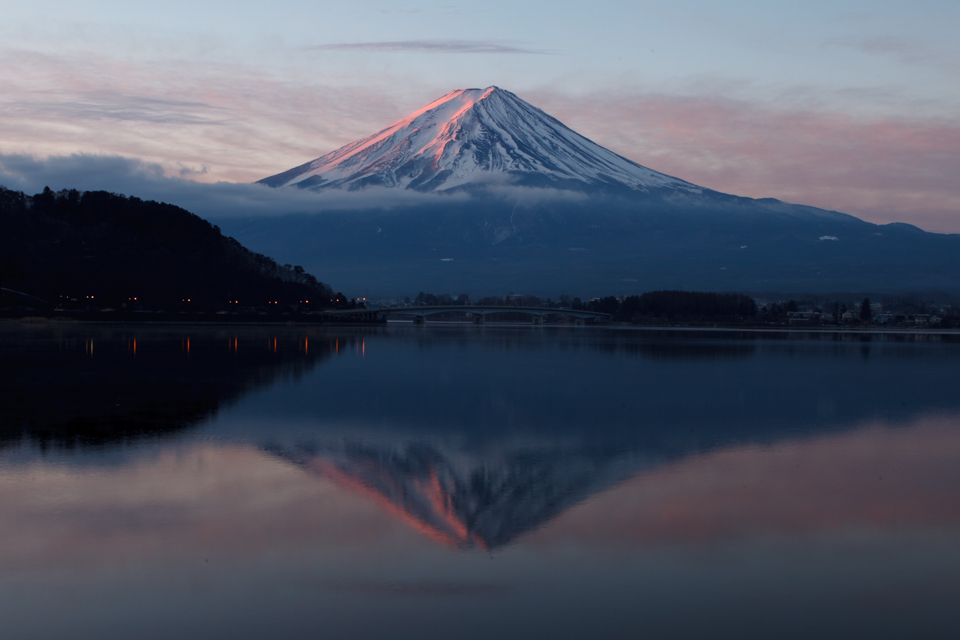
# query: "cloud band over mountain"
209,200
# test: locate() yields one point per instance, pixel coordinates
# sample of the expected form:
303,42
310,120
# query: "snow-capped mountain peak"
473,137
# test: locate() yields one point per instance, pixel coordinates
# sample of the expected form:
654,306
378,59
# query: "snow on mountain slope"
473,137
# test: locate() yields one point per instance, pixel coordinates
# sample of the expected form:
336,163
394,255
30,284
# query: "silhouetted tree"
696,304
629,308
605,305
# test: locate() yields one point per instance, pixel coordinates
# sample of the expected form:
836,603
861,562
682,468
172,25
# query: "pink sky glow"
849,107
880,168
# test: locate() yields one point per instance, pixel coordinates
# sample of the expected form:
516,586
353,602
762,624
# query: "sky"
846,105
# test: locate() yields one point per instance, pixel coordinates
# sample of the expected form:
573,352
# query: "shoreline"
42,321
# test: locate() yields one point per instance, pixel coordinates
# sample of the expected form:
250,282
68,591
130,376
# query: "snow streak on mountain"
470,138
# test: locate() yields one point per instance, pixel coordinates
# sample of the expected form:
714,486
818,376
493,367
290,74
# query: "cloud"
233,123
884,169
433,46
108,106
213,201
908,51
242,123
220,200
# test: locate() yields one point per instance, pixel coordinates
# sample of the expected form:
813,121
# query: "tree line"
77,249
676,305
669,305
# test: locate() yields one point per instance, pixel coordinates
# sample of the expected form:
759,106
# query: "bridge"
477,313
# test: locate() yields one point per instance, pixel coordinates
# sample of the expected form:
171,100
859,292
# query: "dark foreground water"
476,483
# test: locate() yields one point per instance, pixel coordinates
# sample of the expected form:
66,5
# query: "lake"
477,482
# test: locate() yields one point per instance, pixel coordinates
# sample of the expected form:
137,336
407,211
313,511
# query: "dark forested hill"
97,249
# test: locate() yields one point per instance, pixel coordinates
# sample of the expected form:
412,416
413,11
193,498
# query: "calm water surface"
476,483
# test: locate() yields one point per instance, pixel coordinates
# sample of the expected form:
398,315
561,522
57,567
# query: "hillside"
96,249
606,246
509,198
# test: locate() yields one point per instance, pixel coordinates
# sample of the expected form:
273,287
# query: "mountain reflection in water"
581,431
276,481
471,438
468,499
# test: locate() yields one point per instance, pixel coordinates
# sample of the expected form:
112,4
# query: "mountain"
96,249
463,499
475,137
480,192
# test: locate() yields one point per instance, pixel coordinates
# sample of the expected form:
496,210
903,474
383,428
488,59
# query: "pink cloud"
214,121
210,121
881,169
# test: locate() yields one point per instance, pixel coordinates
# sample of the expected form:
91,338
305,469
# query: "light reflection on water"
476,483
